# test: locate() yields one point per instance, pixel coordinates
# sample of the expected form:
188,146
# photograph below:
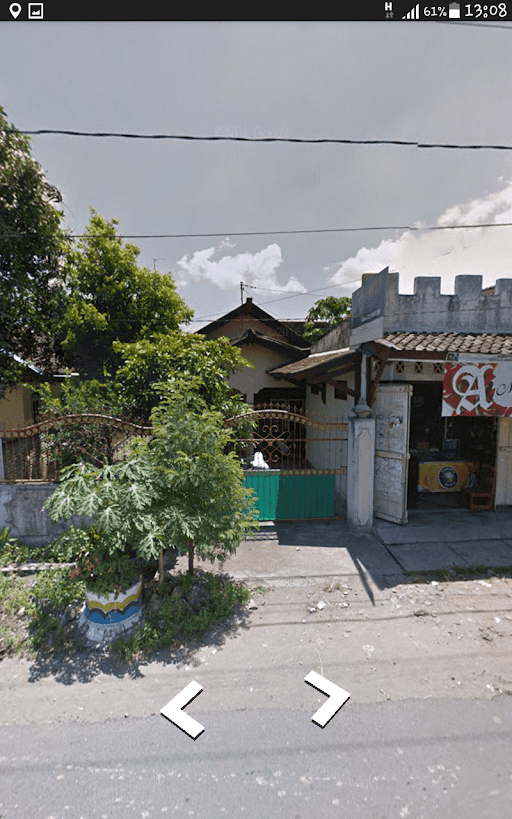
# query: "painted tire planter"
106,617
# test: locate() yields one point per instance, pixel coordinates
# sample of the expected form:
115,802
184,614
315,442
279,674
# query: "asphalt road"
420,759
426,732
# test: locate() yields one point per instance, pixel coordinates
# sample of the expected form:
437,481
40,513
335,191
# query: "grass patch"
12,552
53,591
173,622
16,607
31,614
334,585
32,609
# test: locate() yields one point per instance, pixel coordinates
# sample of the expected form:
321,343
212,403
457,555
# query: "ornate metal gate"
295,464
38,452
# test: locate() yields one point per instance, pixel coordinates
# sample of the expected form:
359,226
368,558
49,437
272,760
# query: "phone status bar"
380,10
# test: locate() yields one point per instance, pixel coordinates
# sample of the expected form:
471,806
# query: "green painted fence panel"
289,495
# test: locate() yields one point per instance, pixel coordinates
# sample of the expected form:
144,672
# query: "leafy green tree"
75,395
205,506
332,309
94,443
31,251
175,357
113,299
181,489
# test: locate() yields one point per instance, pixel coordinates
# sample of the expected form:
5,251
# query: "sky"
439,82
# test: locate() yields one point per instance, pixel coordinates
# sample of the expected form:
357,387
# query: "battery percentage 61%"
435,11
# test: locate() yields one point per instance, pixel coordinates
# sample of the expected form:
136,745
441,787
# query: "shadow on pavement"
362,553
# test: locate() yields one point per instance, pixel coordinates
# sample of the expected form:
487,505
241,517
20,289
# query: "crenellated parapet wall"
378,307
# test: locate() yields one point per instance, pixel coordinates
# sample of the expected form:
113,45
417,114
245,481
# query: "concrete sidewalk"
301,553
305,553
449,539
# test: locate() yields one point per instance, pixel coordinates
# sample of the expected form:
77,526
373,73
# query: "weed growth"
172,621
32,608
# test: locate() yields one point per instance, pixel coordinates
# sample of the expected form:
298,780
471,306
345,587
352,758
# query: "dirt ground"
411,640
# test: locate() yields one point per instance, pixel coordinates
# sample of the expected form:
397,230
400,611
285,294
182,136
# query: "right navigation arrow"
337,698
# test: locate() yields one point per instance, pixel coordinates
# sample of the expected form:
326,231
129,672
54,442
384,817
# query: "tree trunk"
161,569
190,557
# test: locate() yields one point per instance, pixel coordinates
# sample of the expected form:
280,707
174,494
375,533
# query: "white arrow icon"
173,710
337,698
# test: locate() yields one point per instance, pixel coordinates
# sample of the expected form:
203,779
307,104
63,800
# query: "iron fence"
297,465
40,451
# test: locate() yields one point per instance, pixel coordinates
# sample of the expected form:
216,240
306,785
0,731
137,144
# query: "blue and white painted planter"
106,617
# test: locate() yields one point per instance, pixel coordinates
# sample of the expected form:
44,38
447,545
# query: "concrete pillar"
361,462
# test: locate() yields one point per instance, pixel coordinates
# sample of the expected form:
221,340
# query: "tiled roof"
249,309
443,343
310,362
481,344
250,336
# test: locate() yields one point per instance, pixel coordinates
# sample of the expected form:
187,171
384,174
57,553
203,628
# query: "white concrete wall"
468,310
16,408
337,339
504,464
251,381
330,453
360,484
21,511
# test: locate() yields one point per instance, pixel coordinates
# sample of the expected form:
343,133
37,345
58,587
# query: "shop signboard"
477,388
445,476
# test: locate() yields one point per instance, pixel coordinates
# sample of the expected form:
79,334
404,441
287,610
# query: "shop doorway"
446,454
392,413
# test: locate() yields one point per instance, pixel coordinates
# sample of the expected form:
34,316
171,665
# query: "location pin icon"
15,9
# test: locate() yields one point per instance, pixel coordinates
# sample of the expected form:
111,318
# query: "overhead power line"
305,231
294,140
229,233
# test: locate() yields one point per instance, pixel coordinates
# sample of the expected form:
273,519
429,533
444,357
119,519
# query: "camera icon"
35,11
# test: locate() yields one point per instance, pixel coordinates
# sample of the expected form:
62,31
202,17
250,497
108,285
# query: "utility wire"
228,233
318,290
482,24
295,140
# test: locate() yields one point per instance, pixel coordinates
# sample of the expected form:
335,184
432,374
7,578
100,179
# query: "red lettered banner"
477,389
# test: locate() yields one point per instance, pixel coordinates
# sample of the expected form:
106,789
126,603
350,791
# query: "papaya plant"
180,490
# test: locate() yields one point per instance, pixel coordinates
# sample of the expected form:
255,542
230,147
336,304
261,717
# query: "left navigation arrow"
174,713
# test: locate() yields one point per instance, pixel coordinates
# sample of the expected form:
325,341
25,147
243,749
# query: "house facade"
19,405
267,343
424,387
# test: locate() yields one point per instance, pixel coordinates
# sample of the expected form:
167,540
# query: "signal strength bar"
414,13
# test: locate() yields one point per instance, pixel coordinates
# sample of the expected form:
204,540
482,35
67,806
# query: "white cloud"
258,269
445,253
